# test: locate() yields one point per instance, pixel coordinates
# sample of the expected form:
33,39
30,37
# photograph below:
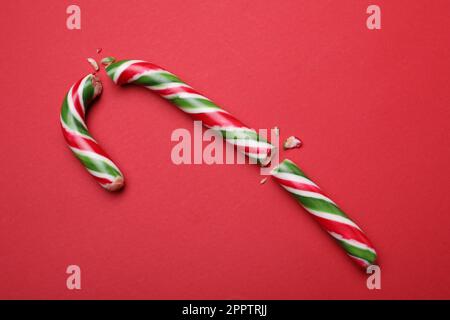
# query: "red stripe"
258,150
223,119
346,231
218,118
361,263
79,142
87,145
103,180
298,185
174,90
76,99
135,69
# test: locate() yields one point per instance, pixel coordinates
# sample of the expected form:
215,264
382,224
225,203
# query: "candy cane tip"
116,185
277,167
97,84
266,160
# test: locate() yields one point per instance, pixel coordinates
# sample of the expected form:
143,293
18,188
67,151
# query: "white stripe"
309,194
96,156
75,132
201,110
101,175
351,242
249,143
332,217
184,95
169,85
72,109
231,129
360,259
255,155
149,73
122,68
293,177
80,93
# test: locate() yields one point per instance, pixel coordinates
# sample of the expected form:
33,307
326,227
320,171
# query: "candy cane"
287,174
80,141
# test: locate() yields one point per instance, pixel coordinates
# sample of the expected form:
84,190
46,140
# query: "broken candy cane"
324,210
80,141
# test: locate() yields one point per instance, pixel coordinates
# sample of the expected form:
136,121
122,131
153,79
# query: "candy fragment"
107,61
292,142
93,63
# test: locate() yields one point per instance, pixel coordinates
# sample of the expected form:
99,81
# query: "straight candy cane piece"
190,101
326,213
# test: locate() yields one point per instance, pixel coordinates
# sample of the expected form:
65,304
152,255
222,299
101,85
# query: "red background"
372,108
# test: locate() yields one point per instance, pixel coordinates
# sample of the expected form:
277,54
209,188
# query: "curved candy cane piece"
80,141
325,212
190,101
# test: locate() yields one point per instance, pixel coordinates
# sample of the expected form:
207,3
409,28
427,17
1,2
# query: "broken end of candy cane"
96,84
284,163
107,61
116,68
265,162
112,67
116,185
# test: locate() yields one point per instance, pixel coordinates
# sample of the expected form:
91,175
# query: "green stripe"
319,205
157,78
97,165
88,91
358,252
70,120
248,134
111,69
194,103
288,166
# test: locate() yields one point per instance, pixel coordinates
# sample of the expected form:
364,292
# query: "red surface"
372,108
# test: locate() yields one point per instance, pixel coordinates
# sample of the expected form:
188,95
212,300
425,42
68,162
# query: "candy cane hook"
80,141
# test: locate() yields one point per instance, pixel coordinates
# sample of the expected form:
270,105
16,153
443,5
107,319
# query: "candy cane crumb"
93,63
292,142
107,61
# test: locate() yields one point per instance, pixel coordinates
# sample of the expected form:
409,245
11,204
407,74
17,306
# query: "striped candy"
326,213
80,141
190,101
